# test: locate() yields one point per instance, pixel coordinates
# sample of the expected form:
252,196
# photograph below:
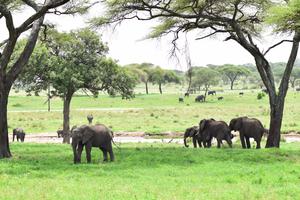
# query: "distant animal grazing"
19,133
210,128
248,128
92,136
213,92
241,93
186,94
220,98
180,99
193,133
265,91
90,118
200,98
298,89
60,133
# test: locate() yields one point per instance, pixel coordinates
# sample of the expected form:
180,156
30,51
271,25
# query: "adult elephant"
210,128
248,128
92,136
19,133
200,98
193,133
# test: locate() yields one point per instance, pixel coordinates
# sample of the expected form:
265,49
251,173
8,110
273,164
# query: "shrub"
260,95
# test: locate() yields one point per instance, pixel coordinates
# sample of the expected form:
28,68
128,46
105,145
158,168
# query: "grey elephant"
200,98
193,133
19,133
210,128
248,128
92,136
60,133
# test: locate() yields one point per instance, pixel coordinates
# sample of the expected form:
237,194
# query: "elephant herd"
210,128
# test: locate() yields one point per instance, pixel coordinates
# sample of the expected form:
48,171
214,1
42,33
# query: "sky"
126,43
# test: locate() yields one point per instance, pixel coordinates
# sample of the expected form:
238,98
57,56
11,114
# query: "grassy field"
151,171
153,113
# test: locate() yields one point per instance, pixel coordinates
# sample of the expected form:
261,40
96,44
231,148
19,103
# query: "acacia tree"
233,73
9,70
143,72
160,76
295,75
205,77
76,60
240,20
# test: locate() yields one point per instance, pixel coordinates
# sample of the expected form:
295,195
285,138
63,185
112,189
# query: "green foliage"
205,77
285,17
73,61
260,95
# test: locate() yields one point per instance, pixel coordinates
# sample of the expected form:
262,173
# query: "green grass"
156,113
151,171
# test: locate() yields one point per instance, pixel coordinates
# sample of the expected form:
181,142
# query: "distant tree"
77,61
160,76
205,77
233,73
295,75
143,72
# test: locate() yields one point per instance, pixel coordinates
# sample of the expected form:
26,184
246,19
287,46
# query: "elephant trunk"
184,140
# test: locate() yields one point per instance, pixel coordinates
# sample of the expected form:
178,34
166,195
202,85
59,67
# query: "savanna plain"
150,171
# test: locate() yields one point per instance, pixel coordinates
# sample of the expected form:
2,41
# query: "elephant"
241,93
200,98
19,133
180,99
210,128
92,136
60,133
193,133
212,92
220,98
248,128
186,94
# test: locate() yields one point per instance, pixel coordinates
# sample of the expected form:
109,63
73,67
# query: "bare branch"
275,45
31,3
3,42
213,33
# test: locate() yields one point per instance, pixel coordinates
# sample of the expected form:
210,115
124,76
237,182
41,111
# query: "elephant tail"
118,147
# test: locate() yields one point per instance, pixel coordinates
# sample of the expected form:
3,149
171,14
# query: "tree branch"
275,45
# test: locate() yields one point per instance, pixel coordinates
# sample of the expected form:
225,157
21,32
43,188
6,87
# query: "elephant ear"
202,125
238,123
87,135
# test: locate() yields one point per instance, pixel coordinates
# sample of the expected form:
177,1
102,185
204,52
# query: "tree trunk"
160,90
146,84
231,85
49,99
275,125
66,114
206,89
4,141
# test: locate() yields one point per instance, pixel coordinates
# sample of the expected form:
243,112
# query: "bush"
260,95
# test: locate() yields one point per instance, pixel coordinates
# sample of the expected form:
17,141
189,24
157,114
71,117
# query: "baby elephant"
248,128
193,133
19,133
60,133
92,136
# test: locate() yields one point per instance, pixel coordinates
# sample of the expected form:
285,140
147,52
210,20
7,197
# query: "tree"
9,69
143,72
240,20
160,76
205,77
233,73
77,61
295,75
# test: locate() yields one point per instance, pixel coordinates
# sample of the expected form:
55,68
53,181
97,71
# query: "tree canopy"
233,72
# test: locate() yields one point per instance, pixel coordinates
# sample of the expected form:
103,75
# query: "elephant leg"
194,142
248,142
111,153
243,141
229,142
104,151
257,144
205,144
209,142
88,149
199,143
219,143
79,151
14,137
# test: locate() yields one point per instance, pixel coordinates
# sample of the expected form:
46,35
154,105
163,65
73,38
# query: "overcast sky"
126,44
